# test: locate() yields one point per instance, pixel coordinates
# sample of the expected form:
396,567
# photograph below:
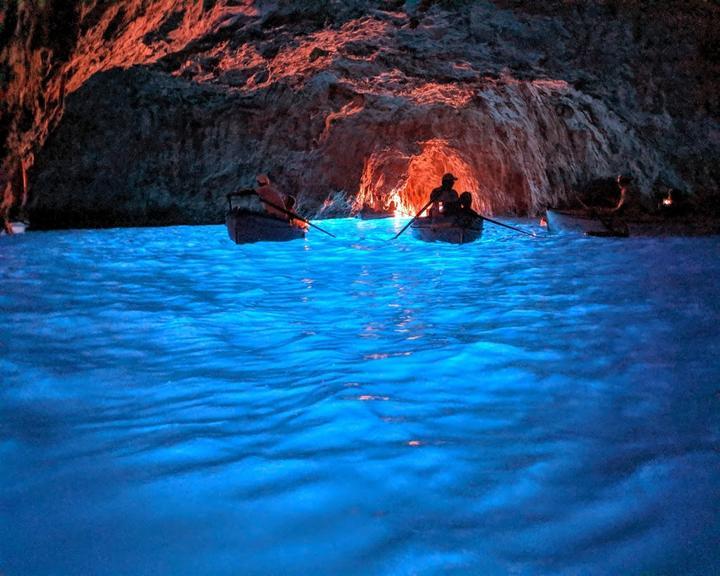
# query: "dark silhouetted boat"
375,215
368,212
250,223
592,224
452,229
583,222
245,227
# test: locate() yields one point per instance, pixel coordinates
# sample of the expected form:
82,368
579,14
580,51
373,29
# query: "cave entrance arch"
407,179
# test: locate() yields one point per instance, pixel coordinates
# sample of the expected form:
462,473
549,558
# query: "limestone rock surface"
138,112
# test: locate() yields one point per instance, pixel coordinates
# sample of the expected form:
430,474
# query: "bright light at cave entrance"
401,208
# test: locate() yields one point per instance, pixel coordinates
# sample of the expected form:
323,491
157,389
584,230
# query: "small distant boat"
589,224
367,215
369,212
581,222
18,227
451,229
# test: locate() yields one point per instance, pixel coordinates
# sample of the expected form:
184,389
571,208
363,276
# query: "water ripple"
175,404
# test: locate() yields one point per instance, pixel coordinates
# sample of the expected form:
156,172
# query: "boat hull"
575,222
579,222
449,230
15,228
246,227
375,215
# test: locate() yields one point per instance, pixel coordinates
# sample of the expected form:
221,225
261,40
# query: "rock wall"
149,111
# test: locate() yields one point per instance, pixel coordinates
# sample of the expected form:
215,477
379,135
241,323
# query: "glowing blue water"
173,404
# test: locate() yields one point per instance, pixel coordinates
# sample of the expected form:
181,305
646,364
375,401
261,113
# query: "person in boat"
630,204
465,203
290,203
444,198
615,218
623,183
268,192
465,211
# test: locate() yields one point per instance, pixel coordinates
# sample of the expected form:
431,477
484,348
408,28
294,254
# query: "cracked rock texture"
135,112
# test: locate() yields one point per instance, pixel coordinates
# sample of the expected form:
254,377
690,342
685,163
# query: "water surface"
174,404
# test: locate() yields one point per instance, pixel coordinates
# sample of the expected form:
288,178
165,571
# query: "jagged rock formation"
149,111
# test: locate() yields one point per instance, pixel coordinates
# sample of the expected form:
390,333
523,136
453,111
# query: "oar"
414,218
293,214
506,225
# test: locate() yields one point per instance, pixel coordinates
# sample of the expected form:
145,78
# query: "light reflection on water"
175,404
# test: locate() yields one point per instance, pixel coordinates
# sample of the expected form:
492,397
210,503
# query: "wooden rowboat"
245,226
581,222
452,229
247,221
584,222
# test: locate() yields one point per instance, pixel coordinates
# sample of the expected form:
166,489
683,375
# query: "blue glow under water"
174,404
